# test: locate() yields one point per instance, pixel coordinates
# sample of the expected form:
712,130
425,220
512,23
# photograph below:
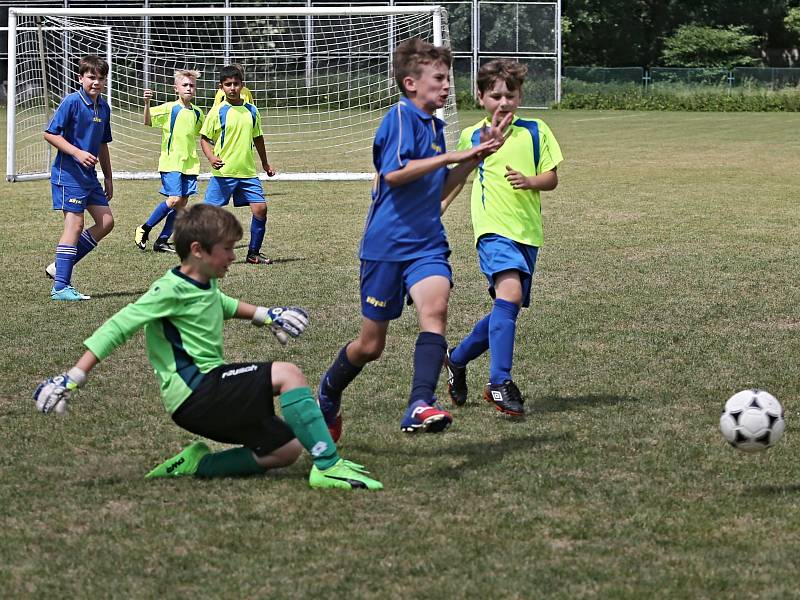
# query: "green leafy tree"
792,20
701,46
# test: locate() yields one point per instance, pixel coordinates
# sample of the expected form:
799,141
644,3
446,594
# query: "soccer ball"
752,420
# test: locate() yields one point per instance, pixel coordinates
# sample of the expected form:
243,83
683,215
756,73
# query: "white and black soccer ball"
752,420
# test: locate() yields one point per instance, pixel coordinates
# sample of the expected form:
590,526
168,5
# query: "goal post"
320,76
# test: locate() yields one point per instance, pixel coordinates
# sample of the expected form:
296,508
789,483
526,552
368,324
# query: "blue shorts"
385,285
245,191
497,254
175,183
75,199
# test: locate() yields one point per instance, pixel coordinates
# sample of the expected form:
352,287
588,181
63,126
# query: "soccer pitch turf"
668,281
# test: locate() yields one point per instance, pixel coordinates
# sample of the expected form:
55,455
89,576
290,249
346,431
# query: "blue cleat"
330,404
68,294
421,416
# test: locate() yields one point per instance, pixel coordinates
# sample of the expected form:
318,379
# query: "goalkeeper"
182,314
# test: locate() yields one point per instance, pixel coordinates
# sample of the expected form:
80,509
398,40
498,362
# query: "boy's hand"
108,187
517,180
86,159
283,321
148,95
54,393
217,162
270,171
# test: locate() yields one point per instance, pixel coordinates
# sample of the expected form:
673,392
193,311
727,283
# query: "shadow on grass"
135,293
563,403
276,261
772,490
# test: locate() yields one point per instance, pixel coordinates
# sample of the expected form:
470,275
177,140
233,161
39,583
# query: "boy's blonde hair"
92,63
187,73
207,225
504,69
410,56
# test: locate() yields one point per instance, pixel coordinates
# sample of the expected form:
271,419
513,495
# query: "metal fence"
594,79
527,31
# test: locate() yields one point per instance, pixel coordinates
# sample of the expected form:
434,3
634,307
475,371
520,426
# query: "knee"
106,225
287,376
371,350
288,453
259,210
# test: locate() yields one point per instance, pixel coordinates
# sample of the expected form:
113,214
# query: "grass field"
667,282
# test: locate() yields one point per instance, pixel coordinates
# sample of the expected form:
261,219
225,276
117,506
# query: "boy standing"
228,135
507,221
80,130
180,122
182,314
404,249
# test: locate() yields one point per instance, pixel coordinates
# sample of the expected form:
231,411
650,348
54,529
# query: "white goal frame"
438,20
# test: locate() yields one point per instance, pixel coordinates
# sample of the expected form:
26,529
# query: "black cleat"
456,381
163,246
256,258
506,398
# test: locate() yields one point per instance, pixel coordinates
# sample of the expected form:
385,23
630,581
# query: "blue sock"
258,227
472,346
428,359
65,260
502,328
86,244
169,225
159,212
340,373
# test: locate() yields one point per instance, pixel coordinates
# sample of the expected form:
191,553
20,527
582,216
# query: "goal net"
321,78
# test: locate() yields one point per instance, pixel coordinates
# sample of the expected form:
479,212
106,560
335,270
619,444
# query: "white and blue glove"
53,394
283,321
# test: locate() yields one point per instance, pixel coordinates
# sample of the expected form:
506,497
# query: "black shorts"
234,404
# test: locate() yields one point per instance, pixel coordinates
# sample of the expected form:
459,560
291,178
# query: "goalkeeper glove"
283,321
54,393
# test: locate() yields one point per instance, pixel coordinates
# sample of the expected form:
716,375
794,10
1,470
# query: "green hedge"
715,100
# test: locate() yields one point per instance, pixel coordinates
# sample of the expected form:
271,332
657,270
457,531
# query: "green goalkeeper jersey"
182,322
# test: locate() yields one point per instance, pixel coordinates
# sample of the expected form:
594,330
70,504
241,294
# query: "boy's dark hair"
411,55
207,225
504,69
93,64
230,71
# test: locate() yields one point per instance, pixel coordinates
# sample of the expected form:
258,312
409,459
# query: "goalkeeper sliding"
182,314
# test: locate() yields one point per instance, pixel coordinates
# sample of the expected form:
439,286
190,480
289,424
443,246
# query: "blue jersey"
85,125
405,222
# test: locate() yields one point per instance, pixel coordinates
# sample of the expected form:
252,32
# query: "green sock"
235,462
302,414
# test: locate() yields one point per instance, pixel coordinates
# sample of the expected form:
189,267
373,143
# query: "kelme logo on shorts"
239,371
74,201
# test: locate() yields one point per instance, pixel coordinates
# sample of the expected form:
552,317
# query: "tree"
701,46
792,20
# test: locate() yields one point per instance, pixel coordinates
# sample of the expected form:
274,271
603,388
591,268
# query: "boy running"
180,122
182,314
404,249
229,133
507,221
80,130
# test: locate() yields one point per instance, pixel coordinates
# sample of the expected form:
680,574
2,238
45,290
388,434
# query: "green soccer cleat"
343,475
182,464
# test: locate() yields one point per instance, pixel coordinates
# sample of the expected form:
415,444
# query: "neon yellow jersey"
497,207
180,126
233,129
245,94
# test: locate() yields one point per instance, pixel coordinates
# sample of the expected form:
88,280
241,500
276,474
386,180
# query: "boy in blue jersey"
507,222
80,130
179,164
182,315
229,133
404,249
